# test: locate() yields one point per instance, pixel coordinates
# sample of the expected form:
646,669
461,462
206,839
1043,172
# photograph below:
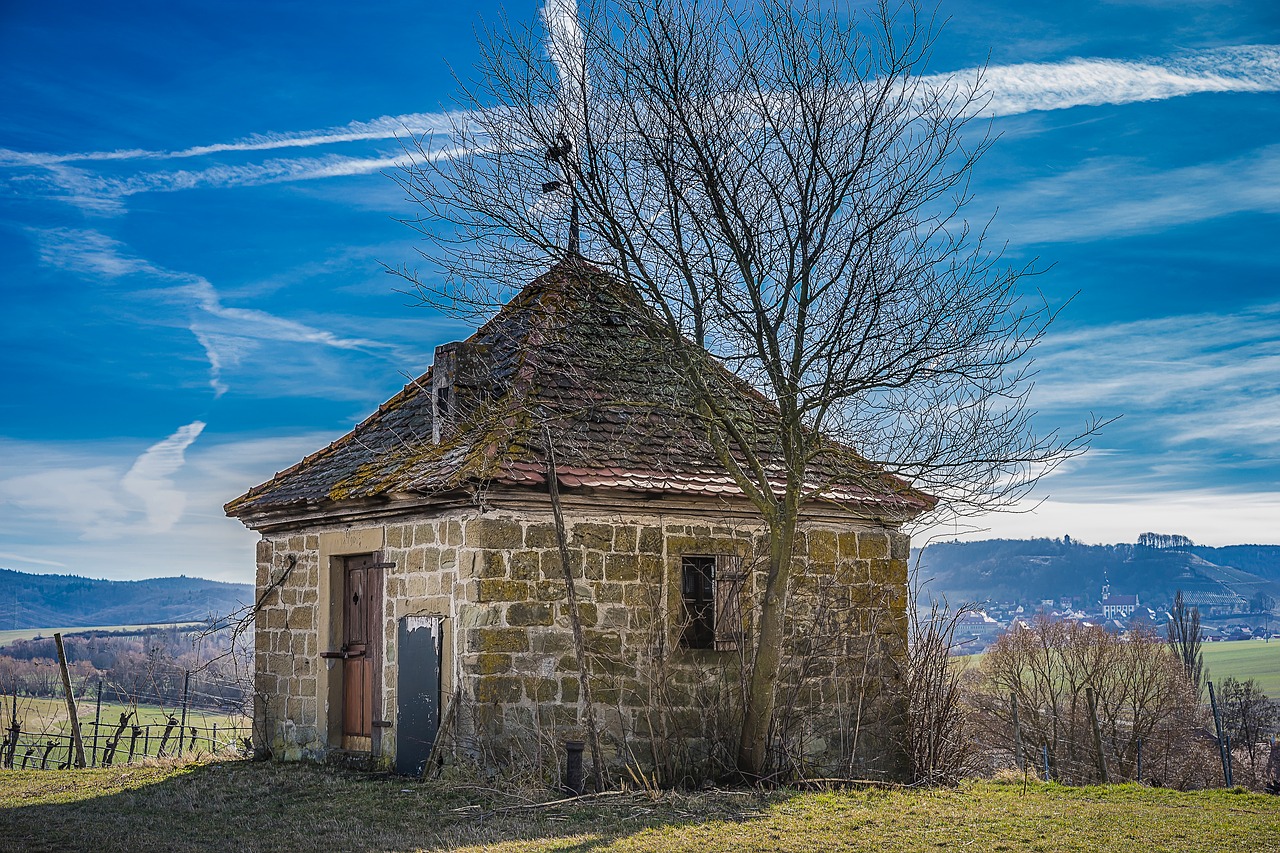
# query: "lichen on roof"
578,355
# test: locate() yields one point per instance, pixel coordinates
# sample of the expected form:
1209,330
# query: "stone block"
492,564
622,567
593,565
524,565
398,536
615,617
490,663
498,689
586,614
553,569
873,544
610,593
625,537
424,534
650,540
899,546
597,537
453,534
569,688
528,613
491,589
498,533
539,689
603,643
550,642
540,535
822,547
550,590
497,640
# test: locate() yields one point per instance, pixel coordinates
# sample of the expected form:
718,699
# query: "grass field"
1256,659
13,636
239,805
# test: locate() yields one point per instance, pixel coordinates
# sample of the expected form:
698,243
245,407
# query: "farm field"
12,636
43,719
241,805
1256,659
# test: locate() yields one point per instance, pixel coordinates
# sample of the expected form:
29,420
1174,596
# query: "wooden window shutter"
729,582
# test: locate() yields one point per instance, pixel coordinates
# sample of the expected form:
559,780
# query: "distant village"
1224,618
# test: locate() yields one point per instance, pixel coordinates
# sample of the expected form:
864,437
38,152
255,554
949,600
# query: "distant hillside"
39,601
1032,569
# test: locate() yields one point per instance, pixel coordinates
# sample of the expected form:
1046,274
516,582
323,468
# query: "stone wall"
509,660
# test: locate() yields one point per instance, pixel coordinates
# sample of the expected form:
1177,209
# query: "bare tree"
1141,697
1249,717
1183,633
785,188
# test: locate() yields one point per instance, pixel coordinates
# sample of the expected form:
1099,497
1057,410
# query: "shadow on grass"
239,805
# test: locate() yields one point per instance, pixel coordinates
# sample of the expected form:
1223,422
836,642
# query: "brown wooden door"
361,647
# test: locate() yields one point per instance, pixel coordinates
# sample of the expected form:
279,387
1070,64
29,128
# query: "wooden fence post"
182,731
76,743
1097,734
1017,734
97,724
1222,740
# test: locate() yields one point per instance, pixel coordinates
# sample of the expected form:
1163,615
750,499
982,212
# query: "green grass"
1256,659
13,636
248,806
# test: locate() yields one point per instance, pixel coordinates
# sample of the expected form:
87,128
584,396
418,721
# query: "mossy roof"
579,357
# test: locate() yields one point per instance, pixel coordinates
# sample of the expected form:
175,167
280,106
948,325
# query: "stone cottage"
413,601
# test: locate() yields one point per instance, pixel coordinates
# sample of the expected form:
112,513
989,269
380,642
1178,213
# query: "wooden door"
361,649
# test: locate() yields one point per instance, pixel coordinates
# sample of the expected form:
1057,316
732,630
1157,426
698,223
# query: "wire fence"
114,726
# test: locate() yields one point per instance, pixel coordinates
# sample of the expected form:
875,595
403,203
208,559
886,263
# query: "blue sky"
193,216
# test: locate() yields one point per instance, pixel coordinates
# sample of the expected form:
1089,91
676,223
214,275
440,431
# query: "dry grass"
246,806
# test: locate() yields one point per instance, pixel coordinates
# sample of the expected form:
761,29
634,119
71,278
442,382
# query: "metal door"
420,645
361,658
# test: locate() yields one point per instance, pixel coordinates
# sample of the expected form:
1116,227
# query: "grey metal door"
420,642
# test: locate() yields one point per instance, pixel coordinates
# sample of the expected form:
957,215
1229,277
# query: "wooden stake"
1222,740
1017,734
71,702
1097,735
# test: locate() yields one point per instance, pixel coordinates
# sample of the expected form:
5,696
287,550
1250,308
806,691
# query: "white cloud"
225,333
1118,197
149,481
66,504
90,494
383,128
566,48
1015,89
1224,363
1207,517
1075,82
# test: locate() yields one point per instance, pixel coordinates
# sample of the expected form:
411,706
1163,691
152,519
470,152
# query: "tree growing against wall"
785,187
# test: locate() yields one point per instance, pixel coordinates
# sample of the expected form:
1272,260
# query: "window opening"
711,589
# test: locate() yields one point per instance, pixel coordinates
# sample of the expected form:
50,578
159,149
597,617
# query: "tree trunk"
763,678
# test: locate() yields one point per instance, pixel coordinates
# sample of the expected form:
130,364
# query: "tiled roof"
575,354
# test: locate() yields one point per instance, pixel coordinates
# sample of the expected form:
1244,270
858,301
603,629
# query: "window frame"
711,601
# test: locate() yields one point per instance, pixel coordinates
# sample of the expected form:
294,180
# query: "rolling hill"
38,601
1034,569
